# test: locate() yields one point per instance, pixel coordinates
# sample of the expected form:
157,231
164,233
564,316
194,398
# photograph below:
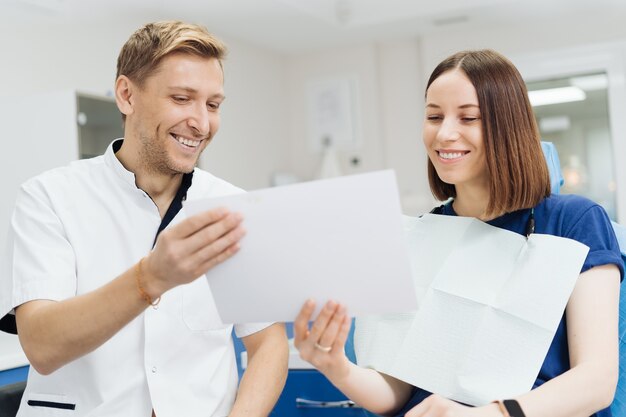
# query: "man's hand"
189,249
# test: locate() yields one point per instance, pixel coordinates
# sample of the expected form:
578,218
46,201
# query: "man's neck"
161,187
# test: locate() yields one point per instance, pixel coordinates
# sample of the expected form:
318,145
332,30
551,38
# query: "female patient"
485,154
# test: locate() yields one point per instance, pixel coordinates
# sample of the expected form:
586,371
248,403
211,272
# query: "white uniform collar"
111,161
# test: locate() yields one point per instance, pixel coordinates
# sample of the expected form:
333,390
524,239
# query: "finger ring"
323,348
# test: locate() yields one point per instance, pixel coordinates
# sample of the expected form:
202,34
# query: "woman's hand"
438,406
323,344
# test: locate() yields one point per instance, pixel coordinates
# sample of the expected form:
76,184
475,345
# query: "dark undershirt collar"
176,204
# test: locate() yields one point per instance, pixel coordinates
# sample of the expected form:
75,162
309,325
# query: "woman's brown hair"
516,167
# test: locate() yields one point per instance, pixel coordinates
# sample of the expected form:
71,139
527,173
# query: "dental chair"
10,397
618,408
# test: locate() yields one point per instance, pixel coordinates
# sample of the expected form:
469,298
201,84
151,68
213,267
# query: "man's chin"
184,169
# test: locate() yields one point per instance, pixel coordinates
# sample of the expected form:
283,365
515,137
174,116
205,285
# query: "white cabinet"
41,132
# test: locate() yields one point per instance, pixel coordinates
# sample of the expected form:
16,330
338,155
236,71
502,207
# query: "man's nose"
200,121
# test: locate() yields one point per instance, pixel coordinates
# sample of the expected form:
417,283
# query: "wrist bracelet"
142,291
510,408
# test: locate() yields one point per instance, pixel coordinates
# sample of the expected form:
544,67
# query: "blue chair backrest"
554,166
619,402
618,408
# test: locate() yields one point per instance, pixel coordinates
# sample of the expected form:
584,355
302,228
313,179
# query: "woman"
485,155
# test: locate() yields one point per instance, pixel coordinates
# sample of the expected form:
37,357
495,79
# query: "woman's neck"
472,202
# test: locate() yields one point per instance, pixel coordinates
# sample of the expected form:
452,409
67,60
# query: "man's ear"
124,90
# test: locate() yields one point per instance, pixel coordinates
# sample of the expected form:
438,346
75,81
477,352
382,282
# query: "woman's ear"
124,95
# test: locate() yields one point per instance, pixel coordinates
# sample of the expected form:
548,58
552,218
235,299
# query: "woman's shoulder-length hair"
517,169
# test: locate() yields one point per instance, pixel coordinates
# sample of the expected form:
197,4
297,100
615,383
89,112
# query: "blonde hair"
145,49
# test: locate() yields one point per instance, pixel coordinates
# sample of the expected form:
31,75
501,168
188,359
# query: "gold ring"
323,348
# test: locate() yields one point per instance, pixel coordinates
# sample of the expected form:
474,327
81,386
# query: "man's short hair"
145,49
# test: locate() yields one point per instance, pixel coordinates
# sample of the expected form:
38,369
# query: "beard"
155,159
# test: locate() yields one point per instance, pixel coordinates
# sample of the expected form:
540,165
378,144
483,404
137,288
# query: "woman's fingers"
342,334
321,322
333,326
329,325
301,323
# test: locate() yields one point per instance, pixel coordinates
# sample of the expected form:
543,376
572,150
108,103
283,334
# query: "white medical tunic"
73,230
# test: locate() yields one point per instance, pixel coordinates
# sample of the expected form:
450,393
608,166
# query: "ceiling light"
556,96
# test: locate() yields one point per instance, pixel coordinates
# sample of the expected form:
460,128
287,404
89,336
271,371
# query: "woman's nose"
448,131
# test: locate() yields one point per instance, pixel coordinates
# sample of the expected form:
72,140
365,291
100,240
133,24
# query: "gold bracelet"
142,291
502,408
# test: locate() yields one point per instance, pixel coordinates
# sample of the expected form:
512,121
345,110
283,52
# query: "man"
104,270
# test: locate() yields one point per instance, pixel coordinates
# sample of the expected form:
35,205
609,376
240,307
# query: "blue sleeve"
593,228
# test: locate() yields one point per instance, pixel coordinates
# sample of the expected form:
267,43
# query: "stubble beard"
155,159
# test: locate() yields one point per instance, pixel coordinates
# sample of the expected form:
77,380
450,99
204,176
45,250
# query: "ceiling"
293,25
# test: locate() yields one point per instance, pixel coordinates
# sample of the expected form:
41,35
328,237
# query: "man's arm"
54,333
266,373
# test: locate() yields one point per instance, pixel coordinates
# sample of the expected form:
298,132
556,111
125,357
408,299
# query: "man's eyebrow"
183,88
191,90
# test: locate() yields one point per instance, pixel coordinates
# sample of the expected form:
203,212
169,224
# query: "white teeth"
450,155
188,142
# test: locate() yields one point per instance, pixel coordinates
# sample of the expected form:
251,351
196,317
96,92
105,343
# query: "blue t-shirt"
568,216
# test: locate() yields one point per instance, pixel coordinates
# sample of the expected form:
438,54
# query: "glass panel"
572,113
99,123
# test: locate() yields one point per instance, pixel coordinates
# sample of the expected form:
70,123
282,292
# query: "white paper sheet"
339,239
489,304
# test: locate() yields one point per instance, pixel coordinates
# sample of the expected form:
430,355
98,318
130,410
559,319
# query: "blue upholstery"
554,166
618,408
619,403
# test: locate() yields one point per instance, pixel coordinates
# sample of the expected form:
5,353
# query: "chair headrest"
554,166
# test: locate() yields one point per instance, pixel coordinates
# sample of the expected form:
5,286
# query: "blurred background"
318,88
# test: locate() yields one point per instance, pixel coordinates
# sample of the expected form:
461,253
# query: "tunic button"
154,369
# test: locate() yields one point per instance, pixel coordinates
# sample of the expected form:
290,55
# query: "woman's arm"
592,323
589,386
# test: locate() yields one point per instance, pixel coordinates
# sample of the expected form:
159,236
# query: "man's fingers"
209,249
198,221
218,234
219,258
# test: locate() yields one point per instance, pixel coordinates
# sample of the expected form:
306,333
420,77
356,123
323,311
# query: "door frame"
606,57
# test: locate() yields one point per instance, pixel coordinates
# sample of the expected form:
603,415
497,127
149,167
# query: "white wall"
552,33
252,140
389,107
358,63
